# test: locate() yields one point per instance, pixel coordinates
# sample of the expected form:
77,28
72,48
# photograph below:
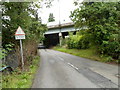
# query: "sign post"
19,35
21,50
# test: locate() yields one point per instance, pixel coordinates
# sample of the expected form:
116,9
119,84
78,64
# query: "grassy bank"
20,79
87,53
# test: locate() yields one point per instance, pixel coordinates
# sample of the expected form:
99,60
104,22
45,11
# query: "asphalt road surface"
61,70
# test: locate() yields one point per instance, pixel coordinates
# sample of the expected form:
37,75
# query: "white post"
21,50
60,40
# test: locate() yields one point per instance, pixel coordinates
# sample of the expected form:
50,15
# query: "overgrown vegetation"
89,53
99,24
20,79
22,14
78,41
25,15
103,28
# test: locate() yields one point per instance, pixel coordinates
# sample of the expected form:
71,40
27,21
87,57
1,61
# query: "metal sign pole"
21,50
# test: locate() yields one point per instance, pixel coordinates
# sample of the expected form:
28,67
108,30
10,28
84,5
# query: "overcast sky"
65,7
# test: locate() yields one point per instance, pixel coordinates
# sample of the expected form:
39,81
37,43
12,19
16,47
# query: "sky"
64,6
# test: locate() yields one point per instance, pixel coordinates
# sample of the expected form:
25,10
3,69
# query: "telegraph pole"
60,34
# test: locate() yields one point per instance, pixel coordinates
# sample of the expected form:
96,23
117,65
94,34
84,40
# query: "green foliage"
51,18
78,41
20,79
3,52
74,42
36,30
89,53
17,15
22,14
102,20
84,42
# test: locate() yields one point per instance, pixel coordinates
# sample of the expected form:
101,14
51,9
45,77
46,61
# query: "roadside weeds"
87,53
20,79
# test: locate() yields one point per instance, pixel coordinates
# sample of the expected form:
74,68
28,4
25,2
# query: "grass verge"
87,53
20,79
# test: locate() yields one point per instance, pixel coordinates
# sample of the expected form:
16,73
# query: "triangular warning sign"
19,31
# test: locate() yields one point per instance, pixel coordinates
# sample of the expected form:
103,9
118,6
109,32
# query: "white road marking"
76,68
69,63
61,59
72,66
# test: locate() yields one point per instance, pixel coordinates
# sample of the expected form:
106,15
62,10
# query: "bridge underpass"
52,35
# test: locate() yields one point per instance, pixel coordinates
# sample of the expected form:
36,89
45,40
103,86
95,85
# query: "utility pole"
60,34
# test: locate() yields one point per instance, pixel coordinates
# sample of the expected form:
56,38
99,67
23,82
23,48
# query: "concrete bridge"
52,36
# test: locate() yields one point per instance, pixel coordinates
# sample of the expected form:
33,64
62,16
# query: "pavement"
62,70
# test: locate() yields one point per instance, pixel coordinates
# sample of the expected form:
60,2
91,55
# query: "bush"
110,48
103,22
73,42
19,79
84,42
78,42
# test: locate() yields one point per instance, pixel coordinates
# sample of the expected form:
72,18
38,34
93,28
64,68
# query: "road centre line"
61,58
69,63
72,66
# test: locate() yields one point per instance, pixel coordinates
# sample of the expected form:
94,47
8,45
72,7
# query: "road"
61,70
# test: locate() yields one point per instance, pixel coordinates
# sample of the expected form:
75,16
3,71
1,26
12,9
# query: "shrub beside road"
87,53
19,79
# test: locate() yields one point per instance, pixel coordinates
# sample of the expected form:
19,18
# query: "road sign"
19,34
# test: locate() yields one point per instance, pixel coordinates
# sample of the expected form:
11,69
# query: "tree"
102,22
14,15
19,14
22,14
51,18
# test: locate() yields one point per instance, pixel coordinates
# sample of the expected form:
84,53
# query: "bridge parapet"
61,25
